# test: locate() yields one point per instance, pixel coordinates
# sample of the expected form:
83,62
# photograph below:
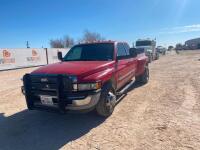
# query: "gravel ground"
161,115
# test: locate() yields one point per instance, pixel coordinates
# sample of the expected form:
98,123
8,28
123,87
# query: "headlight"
80,86
87,86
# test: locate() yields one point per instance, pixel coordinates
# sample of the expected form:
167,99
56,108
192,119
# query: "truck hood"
78,68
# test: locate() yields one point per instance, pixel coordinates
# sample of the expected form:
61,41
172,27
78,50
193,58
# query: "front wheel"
107,102
143,78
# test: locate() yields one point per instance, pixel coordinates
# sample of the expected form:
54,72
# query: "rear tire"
150,59
157,56
107,102
143,78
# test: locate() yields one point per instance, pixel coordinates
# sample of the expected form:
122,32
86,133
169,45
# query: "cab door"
132,63
123,61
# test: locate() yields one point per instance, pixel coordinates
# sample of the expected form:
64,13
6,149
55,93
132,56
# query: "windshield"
91,52
143,43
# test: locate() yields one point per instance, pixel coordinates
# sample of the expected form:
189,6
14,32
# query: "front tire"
107,102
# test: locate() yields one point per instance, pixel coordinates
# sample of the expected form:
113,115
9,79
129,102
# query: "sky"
38,21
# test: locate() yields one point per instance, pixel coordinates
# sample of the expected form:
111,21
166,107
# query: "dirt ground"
161,115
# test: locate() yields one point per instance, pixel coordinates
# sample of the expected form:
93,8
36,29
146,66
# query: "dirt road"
164,114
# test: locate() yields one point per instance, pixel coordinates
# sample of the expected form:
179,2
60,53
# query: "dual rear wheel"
143,78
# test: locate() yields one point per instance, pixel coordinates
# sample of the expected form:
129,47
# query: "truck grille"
56,86
43,86
49,83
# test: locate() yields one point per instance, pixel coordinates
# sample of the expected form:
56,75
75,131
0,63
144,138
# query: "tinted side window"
121,52
126,46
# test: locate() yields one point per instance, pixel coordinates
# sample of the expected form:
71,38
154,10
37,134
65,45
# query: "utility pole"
27,44
133,44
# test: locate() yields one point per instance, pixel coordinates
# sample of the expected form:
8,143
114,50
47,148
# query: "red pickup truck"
90,77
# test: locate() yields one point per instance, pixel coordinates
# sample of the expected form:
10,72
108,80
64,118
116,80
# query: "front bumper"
62,100
83,104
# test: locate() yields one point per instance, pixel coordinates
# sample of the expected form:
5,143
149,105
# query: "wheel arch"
111,81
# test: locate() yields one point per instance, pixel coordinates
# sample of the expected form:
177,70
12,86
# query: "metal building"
193,43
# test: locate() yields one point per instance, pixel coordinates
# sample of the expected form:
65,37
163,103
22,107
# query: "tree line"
67,41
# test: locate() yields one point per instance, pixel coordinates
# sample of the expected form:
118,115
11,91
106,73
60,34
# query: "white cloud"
181,29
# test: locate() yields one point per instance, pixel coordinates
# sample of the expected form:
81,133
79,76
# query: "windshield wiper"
87,60
72,60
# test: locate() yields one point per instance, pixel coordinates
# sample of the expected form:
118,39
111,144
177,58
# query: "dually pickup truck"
91,76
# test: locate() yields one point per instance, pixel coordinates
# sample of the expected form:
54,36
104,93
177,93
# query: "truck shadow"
30,130
43,130
132,87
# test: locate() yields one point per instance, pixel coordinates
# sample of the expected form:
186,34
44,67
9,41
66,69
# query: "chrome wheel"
111,100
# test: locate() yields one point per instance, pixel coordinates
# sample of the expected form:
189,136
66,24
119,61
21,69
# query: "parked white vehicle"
161,50
149,46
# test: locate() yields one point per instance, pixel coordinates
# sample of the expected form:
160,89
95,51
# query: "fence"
21,58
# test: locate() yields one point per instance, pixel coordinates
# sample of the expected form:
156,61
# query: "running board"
124,90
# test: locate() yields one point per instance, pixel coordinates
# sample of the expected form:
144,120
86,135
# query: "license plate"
46,100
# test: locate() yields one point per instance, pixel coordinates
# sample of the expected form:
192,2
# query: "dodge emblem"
44,80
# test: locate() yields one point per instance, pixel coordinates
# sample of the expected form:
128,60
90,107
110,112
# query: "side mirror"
60,56
133,52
